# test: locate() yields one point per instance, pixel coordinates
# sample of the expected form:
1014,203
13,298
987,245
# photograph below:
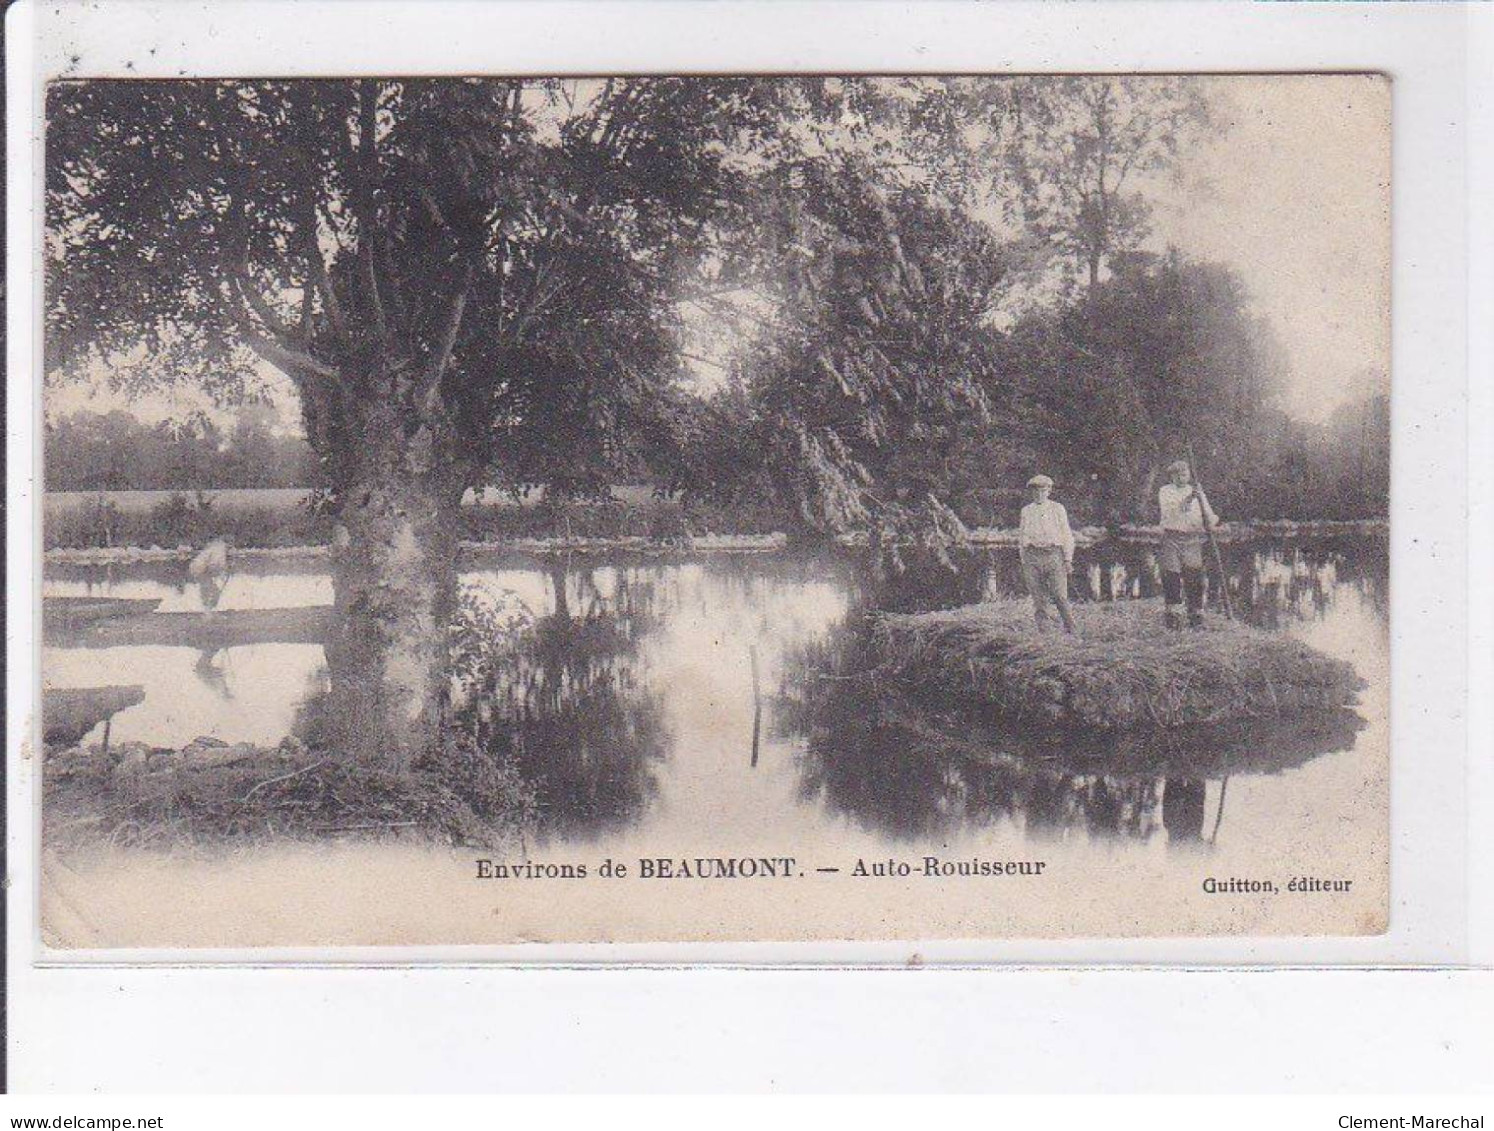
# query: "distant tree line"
90,451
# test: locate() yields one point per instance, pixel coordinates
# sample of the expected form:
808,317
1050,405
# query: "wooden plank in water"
204,631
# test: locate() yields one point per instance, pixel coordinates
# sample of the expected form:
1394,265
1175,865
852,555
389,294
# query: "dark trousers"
1188,580
1182,571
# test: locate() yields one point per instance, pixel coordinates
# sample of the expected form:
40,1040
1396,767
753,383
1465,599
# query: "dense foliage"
843,232
485,258
1100,390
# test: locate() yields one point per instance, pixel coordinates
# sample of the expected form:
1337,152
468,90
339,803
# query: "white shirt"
1047,524
210,561
1183,511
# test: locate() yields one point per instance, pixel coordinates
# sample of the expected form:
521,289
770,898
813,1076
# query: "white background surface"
314,1029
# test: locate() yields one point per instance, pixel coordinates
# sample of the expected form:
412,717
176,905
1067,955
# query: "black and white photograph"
495,509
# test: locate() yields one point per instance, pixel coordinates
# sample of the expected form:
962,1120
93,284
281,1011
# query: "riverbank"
290,517
133,795
703,544
981,537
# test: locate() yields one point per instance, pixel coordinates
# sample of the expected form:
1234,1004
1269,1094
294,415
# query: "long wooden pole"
1219,813
1229,608
757,705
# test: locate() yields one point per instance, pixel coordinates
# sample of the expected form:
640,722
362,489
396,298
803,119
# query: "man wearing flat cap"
1046,545
1186,515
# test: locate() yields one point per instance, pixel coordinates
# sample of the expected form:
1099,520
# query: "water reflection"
906,772
247,693
622,690
562,700
554,701
211,671
1184,809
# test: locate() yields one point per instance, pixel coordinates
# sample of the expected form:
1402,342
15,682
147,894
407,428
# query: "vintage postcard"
494,510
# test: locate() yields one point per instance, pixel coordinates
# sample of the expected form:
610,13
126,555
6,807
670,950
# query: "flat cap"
1040,481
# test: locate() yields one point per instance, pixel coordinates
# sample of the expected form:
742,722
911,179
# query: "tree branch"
295,363
368,173
311,207
429,395
308,295
276,325
317,268
516,110
286,354
1139,148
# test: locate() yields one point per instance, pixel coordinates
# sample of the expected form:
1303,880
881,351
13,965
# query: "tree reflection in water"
906,772
1300,582
553,702
1272,584
1183,812
560,698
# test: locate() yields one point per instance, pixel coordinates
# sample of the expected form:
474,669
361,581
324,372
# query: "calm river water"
633,712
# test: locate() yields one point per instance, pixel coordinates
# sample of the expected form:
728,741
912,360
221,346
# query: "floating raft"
74,612
69,713
1122,670
206,631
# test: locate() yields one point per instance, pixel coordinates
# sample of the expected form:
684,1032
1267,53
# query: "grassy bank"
1122,670
211,793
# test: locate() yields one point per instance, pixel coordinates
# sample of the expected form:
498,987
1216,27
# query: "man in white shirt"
1185,511
1046,545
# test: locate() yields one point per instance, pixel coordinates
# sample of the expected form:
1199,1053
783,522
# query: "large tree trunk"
394,594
